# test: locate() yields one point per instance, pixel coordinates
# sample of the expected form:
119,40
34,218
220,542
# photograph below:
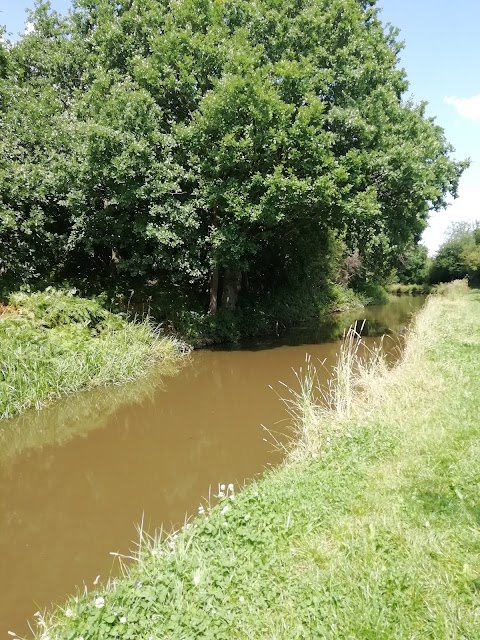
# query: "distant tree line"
224,152
458,257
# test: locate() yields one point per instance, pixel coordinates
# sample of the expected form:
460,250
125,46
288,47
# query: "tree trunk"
114,260
213,306
231,287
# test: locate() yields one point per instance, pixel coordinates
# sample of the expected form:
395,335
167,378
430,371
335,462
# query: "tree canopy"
224,148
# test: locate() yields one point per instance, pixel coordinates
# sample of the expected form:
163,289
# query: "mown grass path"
375,535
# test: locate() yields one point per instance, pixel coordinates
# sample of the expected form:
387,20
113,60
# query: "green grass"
54,343
410,289
373,532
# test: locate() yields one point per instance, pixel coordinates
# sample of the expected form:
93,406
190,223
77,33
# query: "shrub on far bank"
414,266
274,314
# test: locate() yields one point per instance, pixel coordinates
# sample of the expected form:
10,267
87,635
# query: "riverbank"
371,531
269,318
54,343
410,289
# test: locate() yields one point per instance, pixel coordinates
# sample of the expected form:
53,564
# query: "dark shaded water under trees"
75,477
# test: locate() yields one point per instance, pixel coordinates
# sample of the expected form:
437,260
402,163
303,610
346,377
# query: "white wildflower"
99,602
123,620
69,613
225,509
231,487
222,487
221,494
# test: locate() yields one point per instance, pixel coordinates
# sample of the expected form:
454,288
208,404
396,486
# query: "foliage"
225,146
56,343
459,255
374,536
372,293
273,315
53,308
414,265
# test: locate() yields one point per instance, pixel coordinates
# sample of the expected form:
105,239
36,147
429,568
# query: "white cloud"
466,107
29,28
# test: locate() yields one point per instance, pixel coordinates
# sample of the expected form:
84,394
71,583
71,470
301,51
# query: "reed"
356,379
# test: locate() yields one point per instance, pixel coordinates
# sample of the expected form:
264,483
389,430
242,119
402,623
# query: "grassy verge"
54,343
371,531
410,289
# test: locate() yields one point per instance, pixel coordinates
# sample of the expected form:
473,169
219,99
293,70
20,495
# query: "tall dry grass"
357,379
361,379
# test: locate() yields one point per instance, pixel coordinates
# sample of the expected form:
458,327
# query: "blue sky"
442,60
13,13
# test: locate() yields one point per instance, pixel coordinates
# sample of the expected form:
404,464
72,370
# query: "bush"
372,293
414,265
53,308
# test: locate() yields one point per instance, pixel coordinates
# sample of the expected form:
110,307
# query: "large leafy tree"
224,146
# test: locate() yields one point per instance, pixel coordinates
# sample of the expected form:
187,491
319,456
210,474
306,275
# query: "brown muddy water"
77,476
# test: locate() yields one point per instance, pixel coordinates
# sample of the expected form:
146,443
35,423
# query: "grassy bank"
410,289
370,532
54,343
